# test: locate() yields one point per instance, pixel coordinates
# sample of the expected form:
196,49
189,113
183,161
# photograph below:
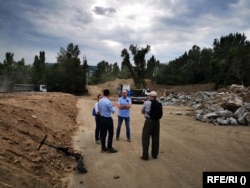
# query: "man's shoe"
154,157
129,140
117,138
104,150
112,150
98,142
144,158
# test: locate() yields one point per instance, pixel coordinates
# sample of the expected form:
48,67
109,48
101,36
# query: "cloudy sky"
103,28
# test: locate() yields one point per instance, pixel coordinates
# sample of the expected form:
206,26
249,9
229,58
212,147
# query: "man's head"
152,95
124,93
106,92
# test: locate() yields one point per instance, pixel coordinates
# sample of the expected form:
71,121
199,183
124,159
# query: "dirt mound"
160,89
25,119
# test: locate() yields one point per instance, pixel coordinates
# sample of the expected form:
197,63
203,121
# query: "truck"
136,95
139,96
28,88
122,87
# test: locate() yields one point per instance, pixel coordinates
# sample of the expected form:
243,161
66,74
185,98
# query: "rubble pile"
225,107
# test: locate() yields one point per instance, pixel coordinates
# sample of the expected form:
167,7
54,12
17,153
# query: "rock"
222,108
245,119
233,121
222,121
247,106
34,116
178,113
239,112
225,113
199,117
210,115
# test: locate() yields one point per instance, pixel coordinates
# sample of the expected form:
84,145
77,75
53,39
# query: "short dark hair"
106,92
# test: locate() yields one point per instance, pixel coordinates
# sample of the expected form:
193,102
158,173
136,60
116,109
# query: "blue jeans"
127,122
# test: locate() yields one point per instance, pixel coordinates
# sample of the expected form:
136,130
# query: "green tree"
85,70
232,55
13,72
9,62
38,69
125,73
205,61
138,71
115,69
72,76
194,73
105,72
152,68
99,74
7,72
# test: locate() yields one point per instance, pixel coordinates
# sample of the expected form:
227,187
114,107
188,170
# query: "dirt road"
187,148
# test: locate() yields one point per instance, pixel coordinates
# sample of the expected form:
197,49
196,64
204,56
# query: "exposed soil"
187,147
25,119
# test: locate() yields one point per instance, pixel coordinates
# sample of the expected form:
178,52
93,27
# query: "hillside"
25,119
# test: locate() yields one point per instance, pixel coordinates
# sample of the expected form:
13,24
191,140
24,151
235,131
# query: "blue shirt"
105,107
126,111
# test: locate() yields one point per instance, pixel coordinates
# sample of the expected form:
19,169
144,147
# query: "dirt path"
187,148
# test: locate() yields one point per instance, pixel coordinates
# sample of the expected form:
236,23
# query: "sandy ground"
187,149
25,119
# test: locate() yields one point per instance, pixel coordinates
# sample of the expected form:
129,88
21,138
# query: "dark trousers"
97,127
107,126
151,129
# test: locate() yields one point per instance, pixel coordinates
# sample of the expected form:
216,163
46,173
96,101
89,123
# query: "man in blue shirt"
106,108
124,105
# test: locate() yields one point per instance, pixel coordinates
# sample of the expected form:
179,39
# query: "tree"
138,71
115,69
152,68
85,70
38,69
72,76
105,72
227,63
9,62
125,73
232,54
205,59
13,72
7,72
193,66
